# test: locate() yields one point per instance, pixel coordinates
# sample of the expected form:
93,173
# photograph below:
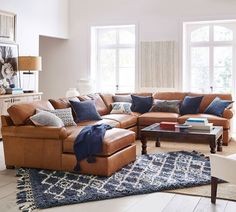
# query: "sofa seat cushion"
110,122
125,120
114,140
217,121
154,117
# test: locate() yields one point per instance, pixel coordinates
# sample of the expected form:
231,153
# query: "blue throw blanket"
89,142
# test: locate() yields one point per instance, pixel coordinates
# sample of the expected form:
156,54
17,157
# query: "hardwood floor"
158,202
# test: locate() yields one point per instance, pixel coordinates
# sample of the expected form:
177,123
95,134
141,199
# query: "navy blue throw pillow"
190,105
85,110
217,107
141,104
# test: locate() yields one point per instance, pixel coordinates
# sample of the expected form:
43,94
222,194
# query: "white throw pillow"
44,118
121,108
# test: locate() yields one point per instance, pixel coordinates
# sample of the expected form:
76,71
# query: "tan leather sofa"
52,148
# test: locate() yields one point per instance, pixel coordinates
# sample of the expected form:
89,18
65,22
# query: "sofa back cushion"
136,94
62,103
99,103
169,95
208,98
108,100
122,98
21,112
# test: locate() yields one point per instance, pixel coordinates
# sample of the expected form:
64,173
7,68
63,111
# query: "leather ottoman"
119,150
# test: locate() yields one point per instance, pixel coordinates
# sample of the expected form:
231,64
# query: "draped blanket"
89,142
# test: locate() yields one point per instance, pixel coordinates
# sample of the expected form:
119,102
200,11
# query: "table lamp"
29,63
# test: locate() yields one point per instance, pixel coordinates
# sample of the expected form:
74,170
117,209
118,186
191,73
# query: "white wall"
156,20
37,17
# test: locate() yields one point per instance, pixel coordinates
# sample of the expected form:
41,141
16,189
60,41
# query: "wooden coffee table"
213,137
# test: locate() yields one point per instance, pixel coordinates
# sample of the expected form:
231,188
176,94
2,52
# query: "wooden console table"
9,99
213,137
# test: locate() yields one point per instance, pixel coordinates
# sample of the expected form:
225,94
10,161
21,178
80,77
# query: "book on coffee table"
168,125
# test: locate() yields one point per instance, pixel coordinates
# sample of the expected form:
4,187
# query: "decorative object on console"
45,188
72,92
218,106
8,66
190,105
14,90
29,63
141,104
44,118
121,108
85,110
171,106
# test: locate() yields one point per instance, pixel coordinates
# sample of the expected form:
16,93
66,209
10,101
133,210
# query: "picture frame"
7,27
9,53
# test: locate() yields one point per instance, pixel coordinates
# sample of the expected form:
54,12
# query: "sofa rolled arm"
228,113
34,132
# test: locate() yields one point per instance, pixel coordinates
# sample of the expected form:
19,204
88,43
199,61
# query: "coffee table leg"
144,144
158,143
219,144
213,146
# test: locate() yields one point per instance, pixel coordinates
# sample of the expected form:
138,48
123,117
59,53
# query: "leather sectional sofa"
52,148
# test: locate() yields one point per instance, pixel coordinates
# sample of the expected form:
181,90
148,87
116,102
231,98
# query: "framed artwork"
7,27
8,64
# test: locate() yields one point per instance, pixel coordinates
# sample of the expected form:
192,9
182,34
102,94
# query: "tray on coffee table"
213,137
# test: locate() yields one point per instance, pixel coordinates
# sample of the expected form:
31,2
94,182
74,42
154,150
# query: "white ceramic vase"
72,92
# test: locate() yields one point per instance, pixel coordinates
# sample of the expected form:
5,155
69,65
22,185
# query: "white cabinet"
7,100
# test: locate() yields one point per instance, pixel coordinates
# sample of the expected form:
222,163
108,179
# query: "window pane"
126,58
127,36
201,34
107,68
126,79
200,69
222,34
107,36
222,69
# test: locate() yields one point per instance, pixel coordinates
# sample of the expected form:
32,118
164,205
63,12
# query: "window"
113,58
209,52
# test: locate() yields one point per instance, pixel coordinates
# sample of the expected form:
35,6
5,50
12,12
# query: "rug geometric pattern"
149,173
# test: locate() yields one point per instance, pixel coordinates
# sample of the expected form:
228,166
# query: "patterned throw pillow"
121,108
171,106
65,115
44,118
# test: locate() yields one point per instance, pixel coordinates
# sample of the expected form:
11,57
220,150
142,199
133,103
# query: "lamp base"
28,91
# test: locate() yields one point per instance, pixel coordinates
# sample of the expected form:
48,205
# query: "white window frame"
190,27
96,49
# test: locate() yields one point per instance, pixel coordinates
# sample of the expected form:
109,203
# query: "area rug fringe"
25,198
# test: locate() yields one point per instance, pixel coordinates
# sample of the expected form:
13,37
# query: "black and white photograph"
8,64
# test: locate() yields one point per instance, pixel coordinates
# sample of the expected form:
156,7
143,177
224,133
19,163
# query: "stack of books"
199,124
14,90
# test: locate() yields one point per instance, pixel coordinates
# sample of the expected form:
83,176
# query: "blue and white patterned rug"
149,173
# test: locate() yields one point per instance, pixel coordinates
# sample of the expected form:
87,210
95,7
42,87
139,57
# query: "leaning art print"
8,65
